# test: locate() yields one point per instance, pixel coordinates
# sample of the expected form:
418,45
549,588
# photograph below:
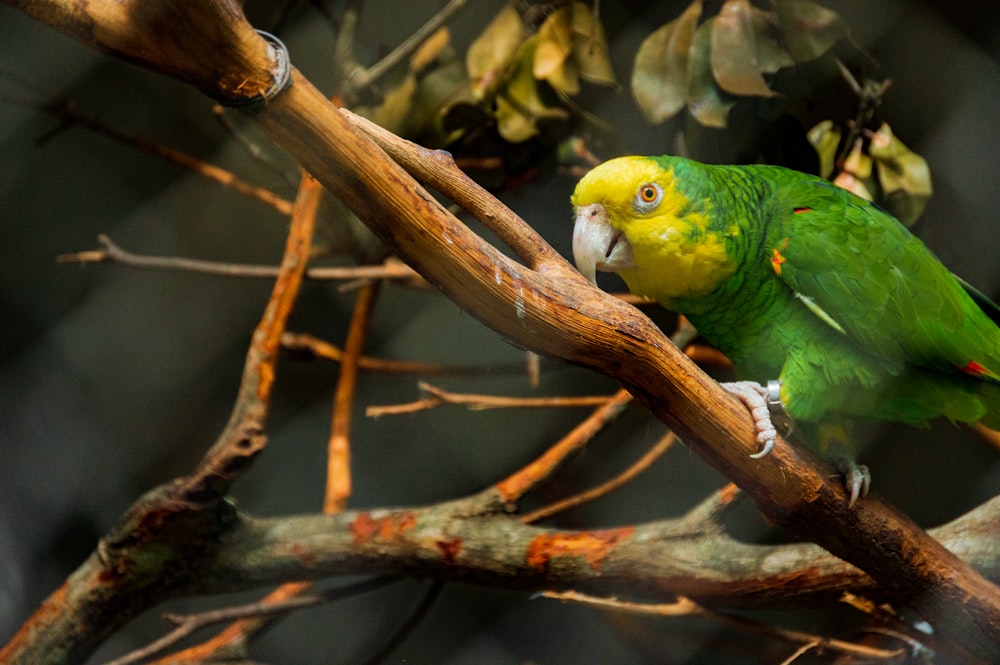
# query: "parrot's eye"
648,197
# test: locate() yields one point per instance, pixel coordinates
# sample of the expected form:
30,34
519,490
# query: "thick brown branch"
142,559
472,541
545,306
209,45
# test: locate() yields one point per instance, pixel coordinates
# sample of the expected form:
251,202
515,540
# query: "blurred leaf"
903,175
706,101
590,47
428,52
858,162
857,169
463,115
744,48
519,103
661,77
853,184
395,108
825,138
440,90
493,51
554,46
807,28
571,46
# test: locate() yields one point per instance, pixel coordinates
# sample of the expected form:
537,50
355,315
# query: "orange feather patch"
778,259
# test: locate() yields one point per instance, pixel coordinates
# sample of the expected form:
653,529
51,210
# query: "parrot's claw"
857,479
756,397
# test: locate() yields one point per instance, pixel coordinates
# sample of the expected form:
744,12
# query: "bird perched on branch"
803,285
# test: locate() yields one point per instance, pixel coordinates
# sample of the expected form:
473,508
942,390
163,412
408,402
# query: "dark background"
113,380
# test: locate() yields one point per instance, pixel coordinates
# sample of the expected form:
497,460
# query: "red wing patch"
975,369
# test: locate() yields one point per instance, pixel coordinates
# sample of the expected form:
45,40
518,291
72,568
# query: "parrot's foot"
857,478
836,447
759,400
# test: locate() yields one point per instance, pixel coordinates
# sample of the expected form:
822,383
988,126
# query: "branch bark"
547,307
541,304
475,540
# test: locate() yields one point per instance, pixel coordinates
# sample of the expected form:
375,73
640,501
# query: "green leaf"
552,60
661,77
807,28
857,171
571,46
439,91
430,50
519,103
706,102
744,49
825,138
590,47
395,108
903,175
493,51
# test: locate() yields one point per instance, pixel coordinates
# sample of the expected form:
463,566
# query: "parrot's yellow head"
632,218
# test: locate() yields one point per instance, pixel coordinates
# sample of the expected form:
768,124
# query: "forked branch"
540,303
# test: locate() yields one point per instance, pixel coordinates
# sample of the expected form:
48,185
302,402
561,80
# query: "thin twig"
802,650
475,402
243,437
711,510
605,488
514,487
69,115
306,343
111,252
391,269
686,607
235,636
186,624
517,484
251,147
363,78
338,477
338,489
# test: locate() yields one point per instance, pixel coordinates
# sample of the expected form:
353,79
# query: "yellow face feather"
675,255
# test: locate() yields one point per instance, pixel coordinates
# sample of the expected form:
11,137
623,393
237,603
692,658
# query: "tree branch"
474,540
142,560
543,305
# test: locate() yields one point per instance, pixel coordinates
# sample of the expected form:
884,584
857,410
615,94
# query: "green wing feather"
857,264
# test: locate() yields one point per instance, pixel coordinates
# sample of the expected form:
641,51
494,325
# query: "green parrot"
816,293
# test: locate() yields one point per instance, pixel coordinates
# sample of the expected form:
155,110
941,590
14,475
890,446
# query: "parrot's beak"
597,245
